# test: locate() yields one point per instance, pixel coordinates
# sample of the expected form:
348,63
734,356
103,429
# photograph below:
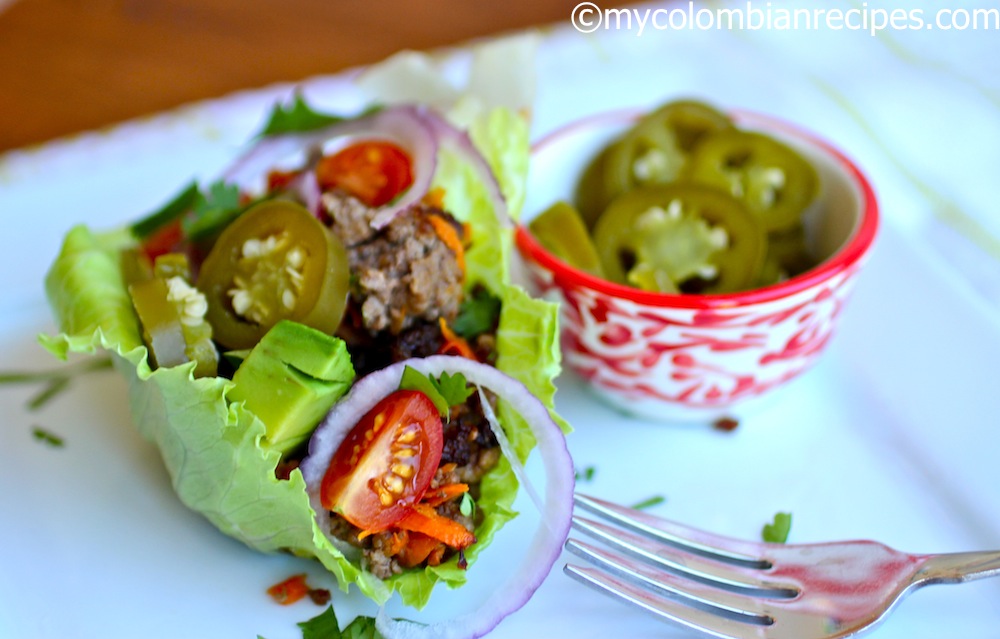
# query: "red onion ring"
306,187
550,535
404,125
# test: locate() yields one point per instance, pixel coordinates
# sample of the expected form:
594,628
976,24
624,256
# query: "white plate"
891,437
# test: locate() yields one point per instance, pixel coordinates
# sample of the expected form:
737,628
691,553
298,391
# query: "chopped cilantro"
180,203
445,391
777,531
326,626
322,626
47,437
477,314
587,474
413,379
213,210
453,388
51,389
296,117
55,381
655,500
361,628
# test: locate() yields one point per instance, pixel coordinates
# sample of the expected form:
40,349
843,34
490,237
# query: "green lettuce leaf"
212,448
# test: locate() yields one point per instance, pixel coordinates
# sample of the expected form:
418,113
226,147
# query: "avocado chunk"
290,379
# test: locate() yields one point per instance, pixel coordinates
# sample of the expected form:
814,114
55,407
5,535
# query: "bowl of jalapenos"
701,257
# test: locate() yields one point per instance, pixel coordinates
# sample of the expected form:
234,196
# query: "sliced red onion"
460,142
550,535
306,186
508,451
404,125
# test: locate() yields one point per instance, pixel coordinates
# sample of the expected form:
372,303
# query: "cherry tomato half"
385,464
374,171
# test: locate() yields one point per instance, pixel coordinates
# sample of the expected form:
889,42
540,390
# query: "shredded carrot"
398,540
426,520
437,554
454,344
446,231
417,550
290,590
441,494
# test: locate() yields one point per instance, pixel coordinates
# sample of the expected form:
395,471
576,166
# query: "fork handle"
953,568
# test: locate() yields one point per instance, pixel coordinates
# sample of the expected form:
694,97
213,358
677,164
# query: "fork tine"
740,607
672,610
719,574
693,540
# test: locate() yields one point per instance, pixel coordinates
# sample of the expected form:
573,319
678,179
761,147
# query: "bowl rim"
849,255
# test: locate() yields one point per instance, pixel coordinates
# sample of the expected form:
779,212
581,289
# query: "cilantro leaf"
213,210
777,532
296,117
587,474
322,626
413,379
361,628
453,388
445,391
477,314
325,626
179,204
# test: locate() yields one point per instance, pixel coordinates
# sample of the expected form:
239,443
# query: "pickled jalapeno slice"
561,230
679,237
172,314
768,176
275,261
654,151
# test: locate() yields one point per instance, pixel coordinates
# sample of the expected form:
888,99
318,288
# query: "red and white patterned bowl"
699,357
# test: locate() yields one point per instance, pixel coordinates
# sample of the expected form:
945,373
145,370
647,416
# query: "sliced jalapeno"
172,315
689,122
647,154
275,261
654,151
679,237
561,230
591,194
769,177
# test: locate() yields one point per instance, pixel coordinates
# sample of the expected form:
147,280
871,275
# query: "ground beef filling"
403,274
470,451
404,279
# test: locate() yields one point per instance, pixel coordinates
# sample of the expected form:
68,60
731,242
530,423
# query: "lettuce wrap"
215,449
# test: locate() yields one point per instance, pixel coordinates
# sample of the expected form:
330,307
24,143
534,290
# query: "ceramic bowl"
699,357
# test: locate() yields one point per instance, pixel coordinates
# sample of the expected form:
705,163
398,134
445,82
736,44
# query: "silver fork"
739,589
